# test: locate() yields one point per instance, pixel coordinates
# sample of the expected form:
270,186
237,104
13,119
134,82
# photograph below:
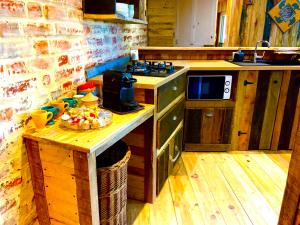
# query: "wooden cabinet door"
265,109
256,109
162,168
208,126
245,99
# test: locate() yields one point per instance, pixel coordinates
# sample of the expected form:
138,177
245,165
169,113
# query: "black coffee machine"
118,91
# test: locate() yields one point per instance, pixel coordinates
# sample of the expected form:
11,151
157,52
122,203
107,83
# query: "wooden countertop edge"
105,142
45,140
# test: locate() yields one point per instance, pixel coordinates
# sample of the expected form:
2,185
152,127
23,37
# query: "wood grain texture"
161,22
38,181
280,109
295,123
209,104
93,140
259,109
214,188
290,203
242,20
266,184
92,167
217,53
185,203
289,111
81,170
62,207
208,125
245,99
206,147
270,113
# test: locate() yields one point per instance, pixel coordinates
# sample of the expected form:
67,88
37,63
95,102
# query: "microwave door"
213,87
194,87
206,87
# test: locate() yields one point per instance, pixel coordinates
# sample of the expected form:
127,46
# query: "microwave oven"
211,87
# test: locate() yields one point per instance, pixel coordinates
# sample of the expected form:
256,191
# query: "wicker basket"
112,184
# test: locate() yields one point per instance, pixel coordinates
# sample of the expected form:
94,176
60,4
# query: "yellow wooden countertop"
148,82
92,140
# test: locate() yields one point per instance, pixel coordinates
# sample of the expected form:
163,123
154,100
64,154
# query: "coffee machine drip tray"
129,110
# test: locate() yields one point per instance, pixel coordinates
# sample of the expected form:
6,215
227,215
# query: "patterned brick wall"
44,48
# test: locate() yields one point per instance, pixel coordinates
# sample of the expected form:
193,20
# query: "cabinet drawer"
169,91
168,123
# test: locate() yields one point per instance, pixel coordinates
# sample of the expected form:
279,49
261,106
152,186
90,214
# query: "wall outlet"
134,54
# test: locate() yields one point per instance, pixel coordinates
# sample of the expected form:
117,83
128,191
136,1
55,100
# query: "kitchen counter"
64,169
148,82
98,140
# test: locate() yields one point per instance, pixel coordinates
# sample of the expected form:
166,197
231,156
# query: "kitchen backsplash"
44,48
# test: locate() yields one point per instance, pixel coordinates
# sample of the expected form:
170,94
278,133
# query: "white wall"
196,22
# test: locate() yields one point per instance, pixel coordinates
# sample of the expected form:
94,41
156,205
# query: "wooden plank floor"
218,188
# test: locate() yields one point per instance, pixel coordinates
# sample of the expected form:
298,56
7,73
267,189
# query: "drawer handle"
174,118
209,114
177,156
174,88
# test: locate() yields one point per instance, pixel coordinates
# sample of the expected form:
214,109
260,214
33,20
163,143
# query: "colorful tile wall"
44,48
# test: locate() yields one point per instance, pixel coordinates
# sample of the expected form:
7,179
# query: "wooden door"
255,117
245,99
265,109
207,126
290,208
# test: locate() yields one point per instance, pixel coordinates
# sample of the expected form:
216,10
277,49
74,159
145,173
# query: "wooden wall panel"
290,205
289,111
161,22
280,109
259,109
270,112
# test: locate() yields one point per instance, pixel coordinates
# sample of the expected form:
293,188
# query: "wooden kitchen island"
63,166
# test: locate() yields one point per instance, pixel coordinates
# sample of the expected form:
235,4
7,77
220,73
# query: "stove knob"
226,90
227,83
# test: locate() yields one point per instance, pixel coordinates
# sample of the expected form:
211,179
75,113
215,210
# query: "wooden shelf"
115,18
